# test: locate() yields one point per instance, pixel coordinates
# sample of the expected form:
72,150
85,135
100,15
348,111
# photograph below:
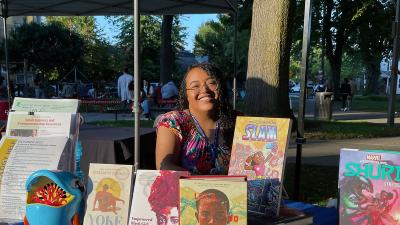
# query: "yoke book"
109,188
259,152
213,200
369,186
156,197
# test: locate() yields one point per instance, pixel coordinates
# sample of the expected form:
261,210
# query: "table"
114,145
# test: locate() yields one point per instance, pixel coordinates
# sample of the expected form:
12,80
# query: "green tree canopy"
150,43
52,48
99,63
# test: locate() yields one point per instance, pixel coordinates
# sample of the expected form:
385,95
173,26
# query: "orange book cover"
213,200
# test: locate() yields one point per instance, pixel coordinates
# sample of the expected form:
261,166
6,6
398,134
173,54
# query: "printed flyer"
23,124
45,105
20,157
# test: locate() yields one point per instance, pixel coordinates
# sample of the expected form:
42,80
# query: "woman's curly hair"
226,115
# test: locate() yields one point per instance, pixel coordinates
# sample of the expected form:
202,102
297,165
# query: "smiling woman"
198,136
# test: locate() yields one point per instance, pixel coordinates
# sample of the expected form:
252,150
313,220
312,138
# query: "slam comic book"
213,200
369,185
258,152
155,197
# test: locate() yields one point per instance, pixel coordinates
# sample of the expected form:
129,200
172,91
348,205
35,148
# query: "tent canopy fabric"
113,7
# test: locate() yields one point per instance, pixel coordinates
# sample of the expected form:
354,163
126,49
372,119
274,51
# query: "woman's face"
168,216
202,90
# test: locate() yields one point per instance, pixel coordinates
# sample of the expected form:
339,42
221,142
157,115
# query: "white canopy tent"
118,7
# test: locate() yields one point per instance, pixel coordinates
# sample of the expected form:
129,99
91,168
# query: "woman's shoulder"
176,116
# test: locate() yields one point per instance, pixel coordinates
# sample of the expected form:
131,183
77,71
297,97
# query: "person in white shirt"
123,82
169,91
147,98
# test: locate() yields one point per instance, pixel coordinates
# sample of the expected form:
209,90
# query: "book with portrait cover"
213,199
155,197
369,187
259,152
108,189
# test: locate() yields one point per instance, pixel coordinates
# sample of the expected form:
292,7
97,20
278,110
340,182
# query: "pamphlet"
20,157
45,105
23,124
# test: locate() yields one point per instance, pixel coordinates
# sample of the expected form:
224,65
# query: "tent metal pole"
4,8
235,46
300,140
235,17
136,22
395,70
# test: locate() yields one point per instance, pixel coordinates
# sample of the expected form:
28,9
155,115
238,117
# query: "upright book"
369,186
155,197
213,200
109,188
259,152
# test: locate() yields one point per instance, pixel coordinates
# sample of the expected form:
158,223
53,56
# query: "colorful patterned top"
197,155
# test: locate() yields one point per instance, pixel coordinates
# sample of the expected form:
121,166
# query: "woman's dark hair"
226,114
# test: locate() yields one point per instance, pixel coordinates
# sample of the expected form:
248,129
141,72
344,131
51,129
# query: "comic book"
109,188
155,197
259,152
369,186
213,200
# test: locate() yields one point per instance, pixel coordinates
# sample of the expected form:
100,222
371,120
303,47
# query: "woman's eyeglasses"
210,84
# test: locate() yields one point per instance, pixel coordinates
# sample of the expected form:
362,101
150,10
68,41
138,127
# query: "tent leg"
4,9
136,22
235,45
394,74
300,140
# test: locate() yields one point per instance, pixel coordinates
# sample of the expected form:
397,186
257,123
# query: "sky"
191,22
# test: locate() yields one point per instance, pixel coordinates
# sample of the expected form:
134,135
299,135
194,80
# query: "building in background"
15,21
20,78
386,71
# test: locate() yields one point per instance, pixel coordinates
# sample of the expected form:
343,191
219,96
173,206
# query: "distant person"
68,91
212,208
38,85
353,89
147,99
123,83
169,91
345,90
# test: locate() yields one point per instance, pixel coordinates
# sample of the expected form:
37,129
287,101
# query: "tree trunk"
372,78
267,85
166,54
336,66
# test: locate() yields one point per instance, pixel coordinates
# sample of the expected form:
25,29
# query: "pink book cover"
259,152
155,198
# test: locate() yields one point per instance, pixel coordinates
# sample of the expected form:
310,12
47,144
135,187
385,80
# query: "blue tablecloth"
322,215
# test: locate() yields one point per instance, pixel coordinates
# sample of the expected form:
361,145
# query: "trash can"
323,106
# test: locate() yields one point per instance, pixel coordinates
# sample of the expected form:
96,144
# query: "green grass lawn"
373,103
324,130
317,130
